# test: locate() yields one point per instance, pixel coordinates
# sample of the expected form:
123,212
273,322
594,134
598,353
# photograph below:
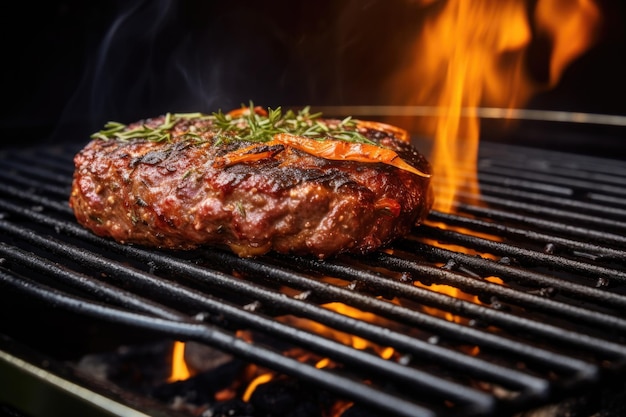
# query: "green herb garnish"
243,126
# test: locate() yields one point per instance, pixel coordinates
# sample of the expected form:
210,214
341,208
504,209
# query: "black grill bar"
520,275
575,218
556,227
220,339
98,288
526,174
35,171
606,199
352,298
533,257
554,328
556,243
494,194
298,305
330,348
442,327
539,159
418,379
571,171
17,179
531,301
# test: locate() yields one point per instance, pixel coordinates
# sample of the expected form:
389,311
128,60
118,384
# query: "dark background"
70,66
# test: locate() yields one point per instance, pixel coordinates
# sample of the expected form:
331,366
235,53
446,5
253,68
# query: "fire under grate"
503,307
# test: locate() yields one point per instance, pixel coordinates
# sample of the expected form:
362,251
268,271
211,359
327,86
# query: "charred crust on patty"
181,191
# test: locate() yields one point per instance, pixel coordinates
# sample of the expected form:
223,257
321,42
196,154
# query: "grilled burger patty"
253,181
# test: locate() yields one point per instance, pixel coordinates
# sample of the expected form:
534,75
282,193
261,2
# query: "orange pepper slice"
340,150
337,150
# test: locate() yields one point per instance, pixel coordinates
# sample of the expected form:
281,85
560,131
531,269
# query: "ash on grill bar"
508,307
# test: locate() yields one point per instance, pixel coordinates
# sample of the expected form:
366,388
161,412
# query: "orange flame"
180,371
474,53
569,24
262,376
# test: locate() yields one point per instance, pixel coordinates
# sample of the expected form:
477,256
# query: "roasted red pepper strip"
340,150
337,150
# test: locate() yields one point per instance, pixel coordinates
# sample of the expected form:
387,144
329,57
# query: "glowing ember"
261,379
342,337
323,363
474,53
180,372
258,377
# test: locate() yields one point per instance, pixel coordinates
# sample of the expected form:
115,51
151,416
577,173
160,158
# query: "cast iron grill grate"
537,275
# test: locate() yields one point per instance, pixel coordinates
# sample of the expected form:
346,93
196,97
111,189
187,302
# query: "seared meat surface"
198,185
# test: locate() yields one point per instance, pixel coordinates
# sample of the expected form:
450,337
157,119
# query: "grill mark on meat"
171,195
151,158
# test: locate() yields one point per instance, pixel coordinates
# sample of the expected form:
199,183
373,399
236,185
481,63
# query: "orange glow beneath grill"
180,371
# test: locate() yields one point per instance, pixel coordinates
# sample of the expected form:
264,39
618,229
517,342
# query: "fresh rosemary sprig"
247,126
160,133
254,127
